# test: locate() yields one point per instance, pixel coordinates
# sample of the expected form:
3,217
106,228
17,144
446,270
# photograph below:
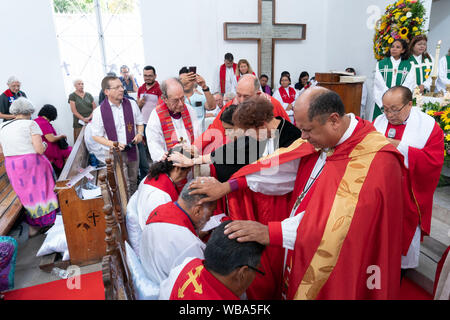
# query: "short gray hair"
124,67
164,86
77,80
21,106
12,79
229,96
256,82
190,199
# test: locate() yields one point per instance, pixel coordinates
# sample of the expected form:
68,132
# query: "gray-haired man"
171,121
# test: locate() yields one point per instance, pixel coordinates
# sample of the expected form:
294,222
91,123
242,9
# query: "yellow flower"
403,19
445,117
430,112
415,29
447,127
390,40
417,33
400,2
403,32
447,137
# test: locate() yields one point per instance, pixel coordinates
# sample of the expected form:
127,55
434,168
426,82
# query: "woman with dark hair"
54,153
394,70
286,95
303,81
258,133
422,61
162,185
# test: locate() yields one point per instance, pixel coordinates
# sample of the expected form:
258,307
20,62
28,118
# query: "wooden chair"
116,274
10,205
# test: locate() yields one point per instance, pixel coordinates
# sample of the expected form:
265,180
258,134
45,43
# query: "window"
96,37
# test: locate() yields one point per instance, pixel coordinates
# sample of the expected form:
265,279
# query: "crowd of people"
316,195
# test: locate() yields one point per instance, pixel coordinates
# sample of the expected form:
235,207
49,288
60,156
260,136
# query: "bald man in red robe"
248,87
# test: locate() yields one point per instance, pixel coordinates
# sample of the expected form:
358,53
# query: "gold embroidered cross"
130,127
192,279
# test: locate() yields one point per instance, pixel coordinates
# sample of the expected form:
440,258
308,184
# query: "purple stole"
110,126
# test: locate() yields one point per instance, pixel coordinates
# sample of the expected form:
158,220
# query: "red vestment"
245,204
352,225
422,143
195,282
214,136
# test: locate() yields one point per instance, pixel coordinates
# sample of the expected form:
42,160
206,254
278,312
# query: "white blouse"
15,137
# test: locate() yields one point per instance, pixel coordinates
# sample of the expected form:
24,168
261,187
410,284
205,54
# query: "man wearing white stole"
420,140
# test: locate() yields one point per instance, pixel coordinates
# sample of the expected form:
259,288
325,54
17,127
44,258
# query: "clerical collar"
176,203
175,115
348,133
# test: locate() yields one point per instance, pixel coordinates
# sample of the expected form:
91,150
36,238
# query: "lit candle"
436,59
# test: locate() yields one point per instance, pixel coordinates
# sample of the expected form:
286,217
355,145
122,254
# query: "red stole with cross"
223,75
168,129
287,98
196,283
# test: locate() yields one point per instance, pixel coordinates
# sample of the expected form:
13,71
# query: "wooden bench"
116,274
84,223
10,205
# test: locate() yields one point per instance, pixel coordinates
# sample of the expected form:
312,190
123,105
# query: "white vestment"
139,207
155,138
419,127
443,72
164,246
277,96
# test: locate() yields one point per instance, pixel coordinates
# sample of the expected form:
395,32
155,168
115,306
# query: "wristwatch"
205,90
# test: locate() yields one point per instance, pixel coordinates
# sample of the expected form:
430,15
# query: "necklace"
308,186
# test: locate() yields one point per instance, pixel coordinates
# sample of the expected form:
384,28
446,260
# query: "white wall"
307,55
193,35
30,52
184,33
349,37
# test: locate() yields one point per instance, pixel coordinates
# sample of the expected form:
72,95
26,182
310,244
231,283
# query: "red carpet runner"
91,288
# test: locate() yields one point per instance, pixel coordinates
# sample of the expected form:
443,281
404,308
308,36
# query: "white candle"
436,59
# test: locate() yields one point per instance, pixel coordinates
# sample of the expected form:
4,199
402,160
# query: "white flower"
409,15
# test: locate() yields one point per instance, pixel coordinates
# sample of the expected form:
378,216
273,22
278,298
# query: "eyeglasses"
116,88
383,109
254,269
174,100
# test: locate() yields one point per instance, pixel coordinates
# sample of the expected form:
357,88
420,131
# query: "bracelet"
205,90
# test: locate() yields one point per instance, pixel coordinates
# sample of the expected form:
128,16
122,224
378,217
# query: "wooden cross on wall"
266,31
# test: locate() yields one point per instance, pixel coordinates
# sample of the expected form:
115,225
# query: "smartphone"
193,69
198,103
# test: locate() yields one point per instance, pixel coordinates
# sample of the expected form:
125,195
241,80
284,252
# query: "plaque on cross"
266,31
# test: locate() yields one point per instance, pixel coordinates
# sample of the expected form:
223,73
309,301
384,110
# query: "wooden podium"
350,93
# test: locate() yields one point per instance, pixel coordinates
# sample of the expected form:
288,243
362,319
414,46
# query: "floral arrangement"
441,113
403,19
